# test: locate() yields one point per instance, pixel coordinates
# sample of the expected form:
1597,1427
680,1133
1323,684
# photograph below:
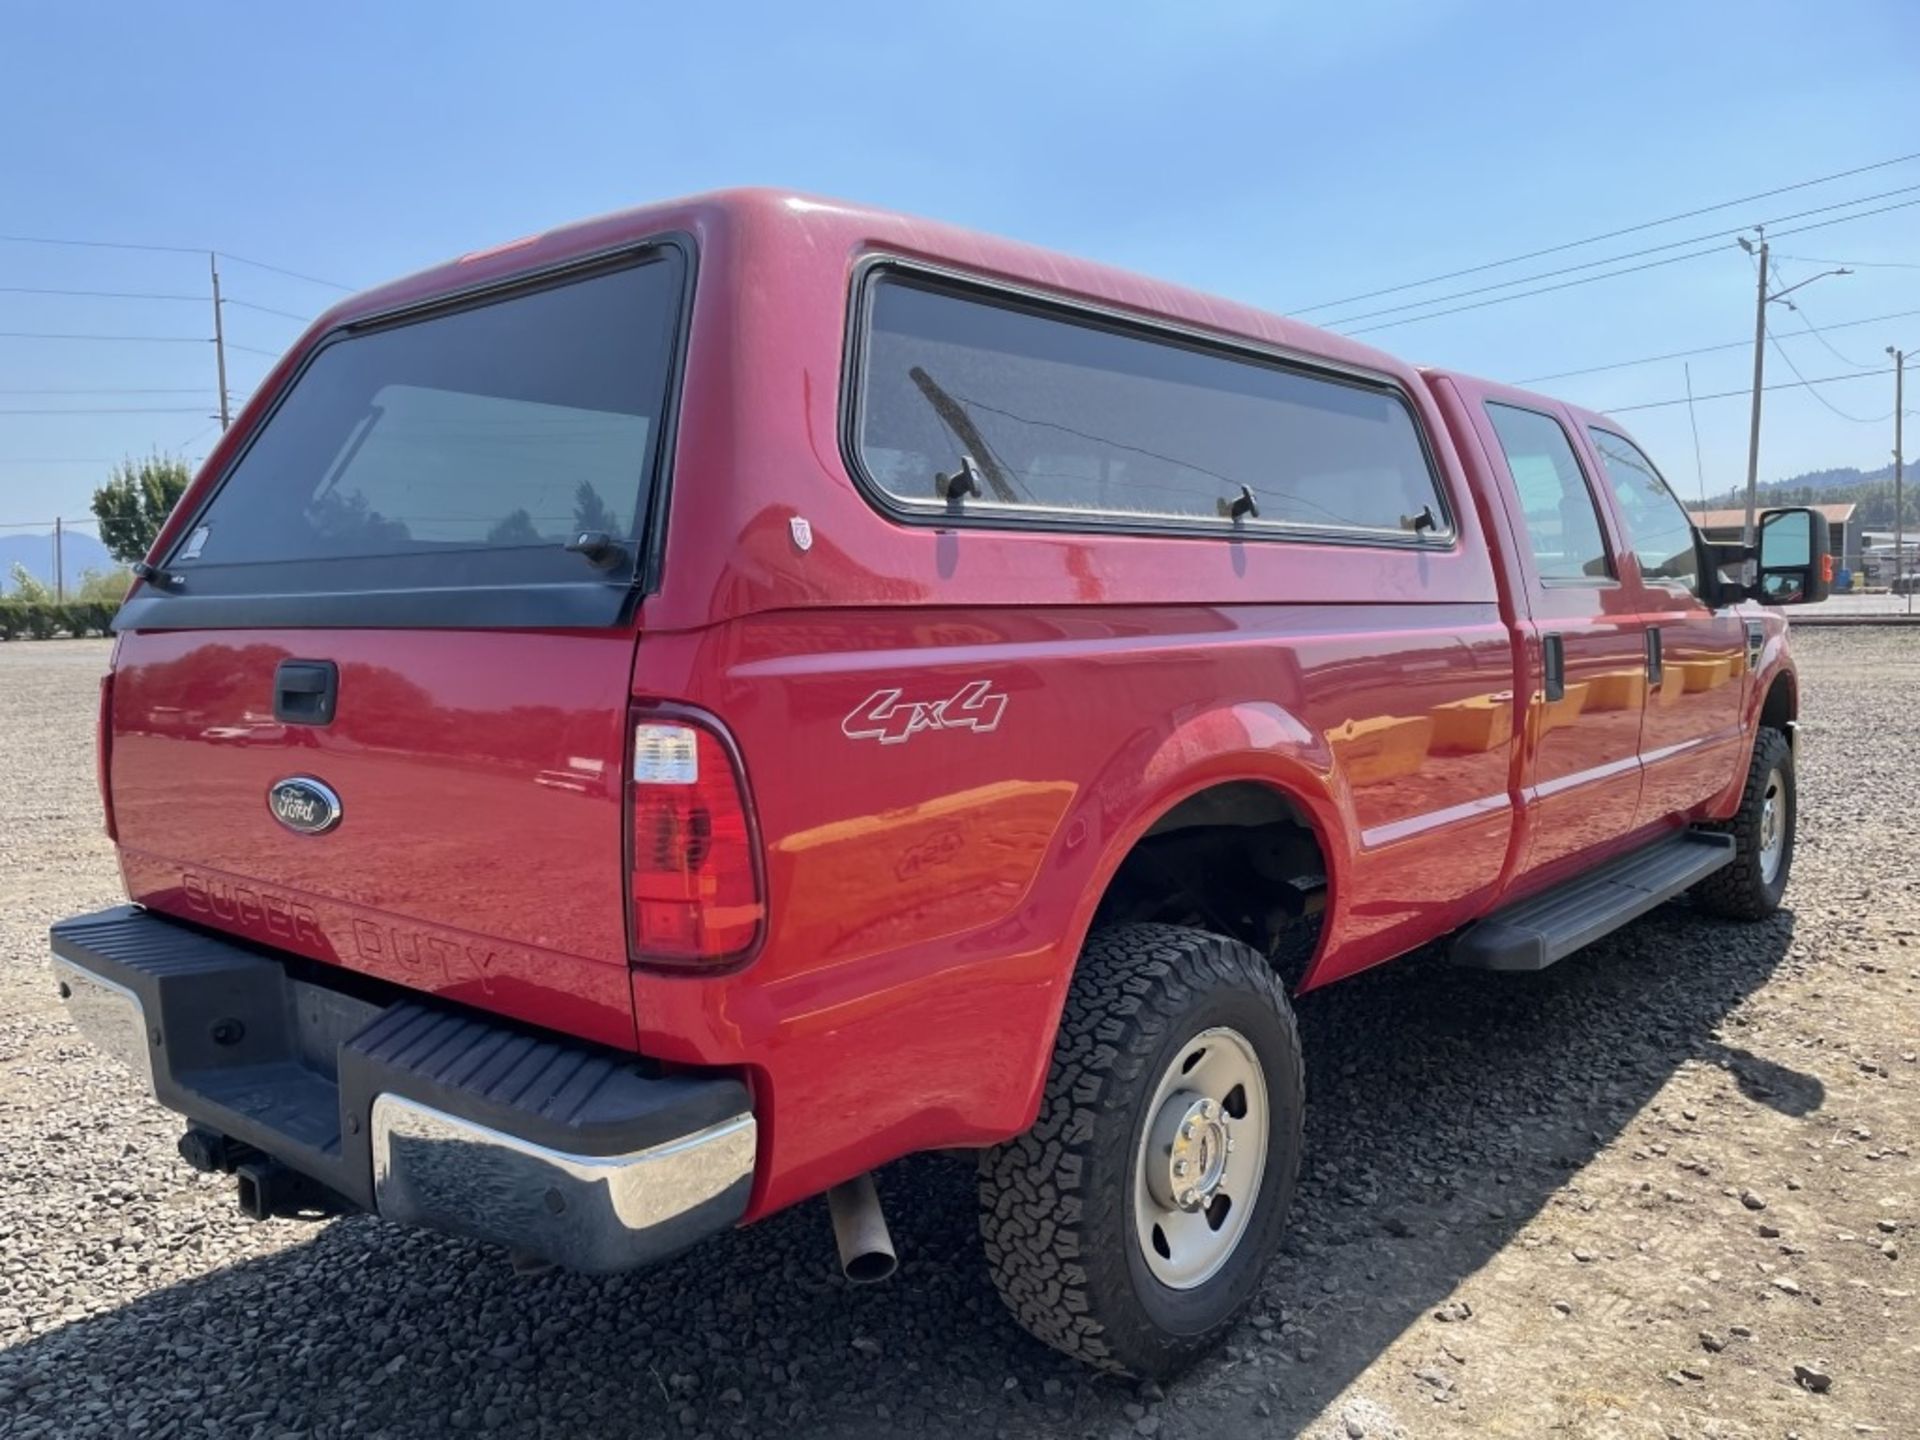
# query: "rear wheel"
1131,1225
1762,829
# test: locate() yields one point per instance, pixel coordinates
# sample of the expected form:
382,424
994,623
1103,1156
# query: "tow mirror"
1796,567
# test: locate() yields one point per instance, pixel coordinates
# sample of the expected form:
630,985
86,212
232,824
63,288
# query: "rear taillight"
694,871
103,753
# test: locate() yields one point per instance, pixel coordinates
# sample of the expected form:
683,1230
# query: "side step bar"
1533,933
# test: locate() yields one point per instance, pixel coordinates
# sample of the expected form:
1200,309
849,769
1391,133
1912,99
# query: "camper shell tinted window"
1067,417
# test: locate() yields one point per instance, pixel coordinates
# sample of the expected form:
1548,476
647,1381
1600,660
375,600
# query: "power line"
1748,391
113,390
1855,264
194,438
280,270
113,410
1844,415
101,244
100,294
270,354
1806,322
65,335
1606,235
1701,239
148,295
1611,274
1699,350
171,250
263,309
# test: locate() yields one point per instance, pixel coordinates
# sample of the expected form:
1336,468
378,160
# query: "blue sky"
1281,154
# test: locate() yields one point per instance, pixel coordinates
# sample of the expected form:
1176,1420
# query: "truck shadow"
1447,1109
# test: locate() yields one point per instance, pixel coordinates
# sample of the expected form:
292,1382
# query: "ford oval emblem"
302,803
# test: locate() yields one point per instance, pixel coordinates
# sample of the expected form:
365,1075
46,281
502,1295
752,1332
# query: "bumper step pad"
422,1112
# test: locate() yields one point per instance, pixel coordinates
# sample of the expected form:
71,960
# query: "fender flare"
1224,742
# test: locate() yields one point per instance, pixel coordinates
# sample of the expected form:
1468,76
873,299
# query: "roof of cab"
825,225
1514,394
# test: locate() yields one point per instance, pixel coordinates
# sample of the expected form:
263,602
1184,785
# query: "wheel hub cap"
1201,1158
1772,827
1196,1135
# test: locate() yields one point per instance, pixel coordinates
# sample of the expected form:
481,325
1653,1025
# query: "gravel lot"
1625,1197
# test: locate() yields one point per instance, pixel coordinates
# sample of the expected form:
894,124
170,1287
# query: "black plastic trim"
325,1046
938,514
586,605
1534,933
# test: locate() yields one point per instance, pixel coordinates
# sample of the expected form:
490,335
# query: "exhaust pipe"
860,1230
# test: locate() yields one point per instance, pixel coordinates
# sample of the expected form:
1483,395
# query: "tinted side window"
1563,526
1657,526
1069,416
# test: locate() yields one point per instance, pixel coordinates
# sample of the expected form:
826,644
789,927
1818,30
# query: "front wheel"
1751,887
1132,1224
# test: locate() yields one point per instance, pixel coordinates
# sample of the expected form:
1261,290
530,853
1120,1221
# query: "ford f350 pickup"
637,728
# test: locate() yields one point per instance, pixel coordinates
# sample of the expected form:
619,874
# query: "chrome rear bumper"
429,1115
108,1017
586,1212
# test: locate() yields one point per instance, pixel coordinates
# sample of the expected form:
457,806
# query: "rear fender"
1247,741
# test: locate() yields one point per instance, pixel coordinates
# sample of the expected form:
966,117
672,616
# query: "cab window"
1562,523
1657,527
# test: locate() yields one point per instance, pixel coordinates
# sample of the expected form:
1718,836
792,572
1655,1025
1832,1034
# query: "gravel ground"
1625,1197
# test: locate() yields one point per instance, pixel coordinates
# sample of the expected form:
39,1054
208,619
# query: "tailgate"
478,777
371,704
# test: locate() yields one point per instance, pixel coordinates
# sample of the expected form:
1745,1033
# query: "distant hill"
79,551
1871,490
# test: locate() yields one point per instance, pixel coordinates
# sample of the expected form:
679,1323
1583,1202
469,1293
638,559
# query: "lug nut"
1180,1168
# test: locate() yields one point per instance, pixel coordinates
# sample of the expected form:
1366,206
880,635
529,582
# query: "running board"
1533,933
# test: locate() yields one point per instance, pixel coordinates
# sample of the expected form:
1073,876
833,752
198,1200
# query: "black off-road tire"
1742,891
1057,1203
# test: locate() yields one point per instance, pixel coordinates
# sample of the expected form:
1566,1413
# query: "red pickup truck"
639,727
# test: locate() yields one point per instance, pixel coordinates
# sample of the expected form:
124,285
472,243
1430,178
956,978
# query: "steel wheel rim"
1201,1159
1773,826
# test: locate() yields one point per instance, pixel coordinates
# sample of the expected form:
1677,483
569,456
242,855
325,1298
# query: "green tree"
134,503
106,586
29,589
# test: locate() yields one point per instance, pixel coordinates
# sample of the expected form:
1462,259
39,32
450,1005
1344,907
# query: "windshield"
498,431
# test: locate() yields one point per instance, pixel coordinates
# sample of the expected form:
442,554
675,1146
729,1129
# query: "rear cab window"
1075,420
1560,515
433,468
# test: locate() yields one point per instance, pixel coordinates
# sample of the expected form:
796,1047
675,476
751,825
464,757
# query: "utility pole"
60,570
220,337
1762,300
1759,377
1899,527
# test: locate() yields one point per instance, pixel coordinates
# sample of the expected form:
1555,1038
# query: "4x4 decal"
885,717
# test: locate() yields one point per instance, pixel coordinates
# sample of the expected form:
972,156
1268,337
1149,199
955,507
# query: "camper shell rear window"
432,469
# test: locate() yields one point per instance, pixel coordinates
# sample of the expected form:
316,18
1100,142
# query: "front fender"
1774,665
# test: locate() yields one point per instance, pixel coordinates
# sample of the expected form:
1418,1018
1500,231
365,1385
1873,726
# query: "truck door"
1586,642
1691,740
